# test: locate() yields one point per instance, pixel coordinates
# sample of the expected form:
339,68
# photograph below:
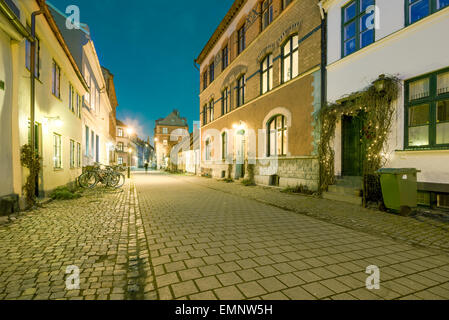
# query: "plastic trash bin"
399,189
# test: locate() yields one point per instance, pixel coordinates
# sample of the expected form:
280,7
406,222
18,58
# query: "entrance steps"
346,189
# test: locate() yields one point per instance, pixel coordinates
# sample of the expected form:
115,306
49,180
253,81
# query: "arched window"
208,149
290,58
277,136
267,74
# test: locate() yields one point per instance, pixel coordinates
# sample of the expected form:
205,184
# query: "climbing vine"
30,160
375,107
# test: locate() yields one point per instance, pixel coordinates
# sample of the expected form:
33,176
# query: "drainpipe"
32,71
323,64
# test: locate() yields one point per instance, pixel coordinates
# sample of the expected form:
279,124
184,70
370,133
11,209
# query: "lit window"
290,57
57,154
224,146
277,136
119,132
211,111
267,74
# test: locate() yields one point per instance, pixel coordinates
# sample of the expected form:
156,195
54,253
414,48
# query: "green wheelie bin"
399,189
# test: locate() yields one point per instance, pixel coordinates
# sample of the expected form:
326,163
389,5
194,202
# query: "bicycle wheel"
121,180
88,180
112,180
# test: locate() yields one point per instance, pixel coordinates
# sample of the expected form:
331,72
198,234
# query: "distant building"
168,133
126,149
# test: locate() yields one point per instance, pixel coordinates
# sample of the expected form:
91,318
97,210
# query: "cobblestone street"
177,237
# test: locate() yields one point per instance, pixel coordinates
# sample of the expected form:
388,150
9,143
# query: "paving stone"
208,283
229,293
251,289
184,289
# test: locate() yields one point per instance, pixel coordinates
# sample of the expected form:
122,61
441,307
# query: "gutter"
4,8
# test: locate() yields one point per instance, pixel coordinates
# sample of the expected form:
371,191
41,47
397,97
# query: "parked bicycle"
111,176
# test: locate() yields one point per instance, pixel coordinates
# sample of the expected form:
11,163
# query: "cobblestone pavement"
419,230
210,244
173,237
101,234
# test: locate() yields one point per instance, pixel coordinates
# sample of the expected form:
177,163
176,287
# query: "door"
352,147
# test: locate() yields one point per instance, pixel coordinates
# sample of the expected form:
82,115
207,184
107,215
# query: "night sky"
150,46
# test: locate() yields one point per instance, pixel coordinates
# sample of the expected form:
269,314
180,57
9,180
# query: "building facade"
59,87
98,139
168,133
406,40
260,90
126,149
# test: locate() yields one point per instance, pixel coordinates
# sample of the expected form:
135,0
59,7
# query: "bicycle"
110,176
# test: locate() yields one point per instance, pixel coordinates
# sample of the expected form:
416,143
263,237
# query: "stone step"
343,198
345,190
347,181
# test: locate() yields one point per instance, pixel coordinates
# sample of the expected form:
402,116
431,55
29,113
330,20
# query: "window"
212,72
267,13
120,132
224,146
277,136
241,91
121,147
165,142
72,97
225,101
57,154
56,80
211,111
224,57
87,140
92,143
204,115
285,3
418,9
267,74
120,160
241,39
205,80
290,57
36,55
208,150
78,105
165,130
72,154
358,31
427,111
78,155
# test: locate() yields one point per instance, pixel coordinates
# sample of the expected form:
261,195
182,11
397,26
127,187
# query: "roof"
120,123
173,120
232,12
51,22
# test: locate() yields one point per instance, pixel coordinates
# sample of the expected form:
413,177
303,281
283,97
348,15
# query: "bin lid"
398,171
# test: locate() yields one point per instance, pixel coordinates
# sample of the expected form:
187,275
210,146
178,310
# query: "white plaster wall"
403,52
6,187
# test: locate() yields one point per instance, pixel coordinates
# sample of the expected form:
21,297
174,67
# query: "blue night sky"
150,46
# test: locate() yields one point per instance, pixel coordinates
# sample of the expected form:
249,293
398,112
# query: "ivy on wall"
32,162
375,106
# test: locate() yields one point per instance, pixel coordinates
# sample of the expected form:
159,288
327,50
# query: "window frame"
357,19
212,72
241,39
266,12
290,56
28,57
266,72
56,80
225,100
57,151
284,5
224,58
78,155
241,84
432,100
72,154
211,110
205,83
208,155
224,146
432,9
284,132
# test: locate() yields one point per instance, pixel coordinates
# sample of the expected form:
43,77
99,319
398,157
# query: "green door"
352,148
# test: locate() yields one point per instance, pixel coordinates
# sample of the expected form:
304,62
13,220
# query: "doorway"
352,146
240,154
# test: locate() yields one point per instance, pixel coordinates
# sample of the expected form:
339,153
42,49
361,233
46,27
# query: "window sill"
422,150
58,169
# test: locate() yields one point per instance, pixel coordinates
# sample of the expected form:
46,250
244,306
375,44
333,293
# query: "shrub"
301,189
65,193
248,183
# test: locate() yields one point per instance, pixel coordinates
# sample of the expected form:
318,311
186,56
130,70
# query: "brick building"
168,133
260,88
